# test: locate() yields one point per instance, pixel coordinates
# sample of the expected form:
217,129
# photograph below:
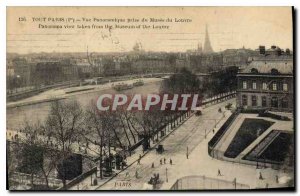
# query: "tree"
63,126
149,123
96,132
35,157
110,126
181,82
223,80
29,153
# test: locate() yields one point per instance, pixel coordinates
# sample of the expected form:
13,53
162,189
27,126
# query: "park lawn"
279,148
247,133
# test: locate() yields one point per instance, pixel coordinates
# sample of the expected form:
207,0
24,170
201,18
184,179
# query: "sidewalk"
200,163
130,160
190,134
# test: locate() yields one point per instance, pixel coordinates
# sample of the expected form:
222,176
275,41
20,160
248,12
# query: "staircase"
263,145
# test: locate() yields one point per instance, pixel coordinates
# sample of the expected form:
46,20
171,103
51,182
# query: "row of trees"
221,81
44,147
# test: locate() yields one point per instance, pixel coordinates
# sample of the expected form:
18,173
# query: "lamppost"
187,152
92,180
18,82
166,174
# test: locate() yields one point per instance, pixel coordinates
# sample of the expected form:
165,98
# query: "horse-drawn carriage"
198,111
160,149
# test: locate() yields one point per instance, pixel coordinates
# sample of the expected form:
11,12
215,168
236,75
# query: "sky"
228,27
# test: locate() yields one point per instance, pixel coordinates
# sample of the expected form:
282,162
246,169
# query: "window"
264,86
284,103
274,71
263,101
274,102
244,85
274,86
285,87
244,100
254,85
254,103
253,70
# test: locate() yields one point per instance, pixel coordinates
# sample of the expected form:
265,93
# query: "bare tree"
150,122
63,126
32,152
96,133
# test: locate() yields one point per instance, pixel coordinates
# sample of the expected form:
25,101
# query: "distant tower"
207,47
138,47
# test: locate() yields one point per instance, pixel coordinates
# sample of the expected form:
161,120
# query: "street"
189,134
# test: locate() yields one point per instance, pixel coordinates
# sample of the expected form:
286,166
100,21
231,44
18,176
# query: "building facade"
267,83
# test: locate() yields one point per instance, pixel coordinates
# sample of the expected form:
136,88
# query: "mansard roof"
273,67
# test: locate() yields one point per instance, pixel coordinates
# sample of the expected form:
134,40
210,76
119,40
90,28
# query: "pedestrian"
260,176
160,161
138,162
219,172
152,165
171,162
187,152
234,183
164,160
277,179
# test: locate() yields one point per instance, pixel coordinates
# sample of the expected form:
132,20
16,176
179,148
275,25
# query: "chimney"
278,51
262,50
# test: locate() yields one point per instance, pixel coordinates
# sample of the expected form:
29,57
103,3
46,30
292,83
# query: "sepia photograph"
150,98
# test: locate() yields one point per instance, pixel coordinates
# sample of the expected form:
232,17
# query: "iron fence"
206,183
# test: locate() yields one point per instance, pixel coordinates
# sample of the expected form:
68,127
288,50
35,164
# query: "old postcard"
150,98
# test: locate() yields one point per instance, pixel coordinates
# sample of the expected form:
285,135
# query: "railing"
263,144
219,98
24,178
78,179
29,93
258,162
206,183
216,138
274,116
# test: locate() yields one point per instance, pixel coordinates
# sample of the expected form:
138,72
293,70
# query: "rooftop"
269,67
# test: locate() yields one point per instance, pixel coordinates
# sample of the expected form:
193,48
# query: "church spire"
207,46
